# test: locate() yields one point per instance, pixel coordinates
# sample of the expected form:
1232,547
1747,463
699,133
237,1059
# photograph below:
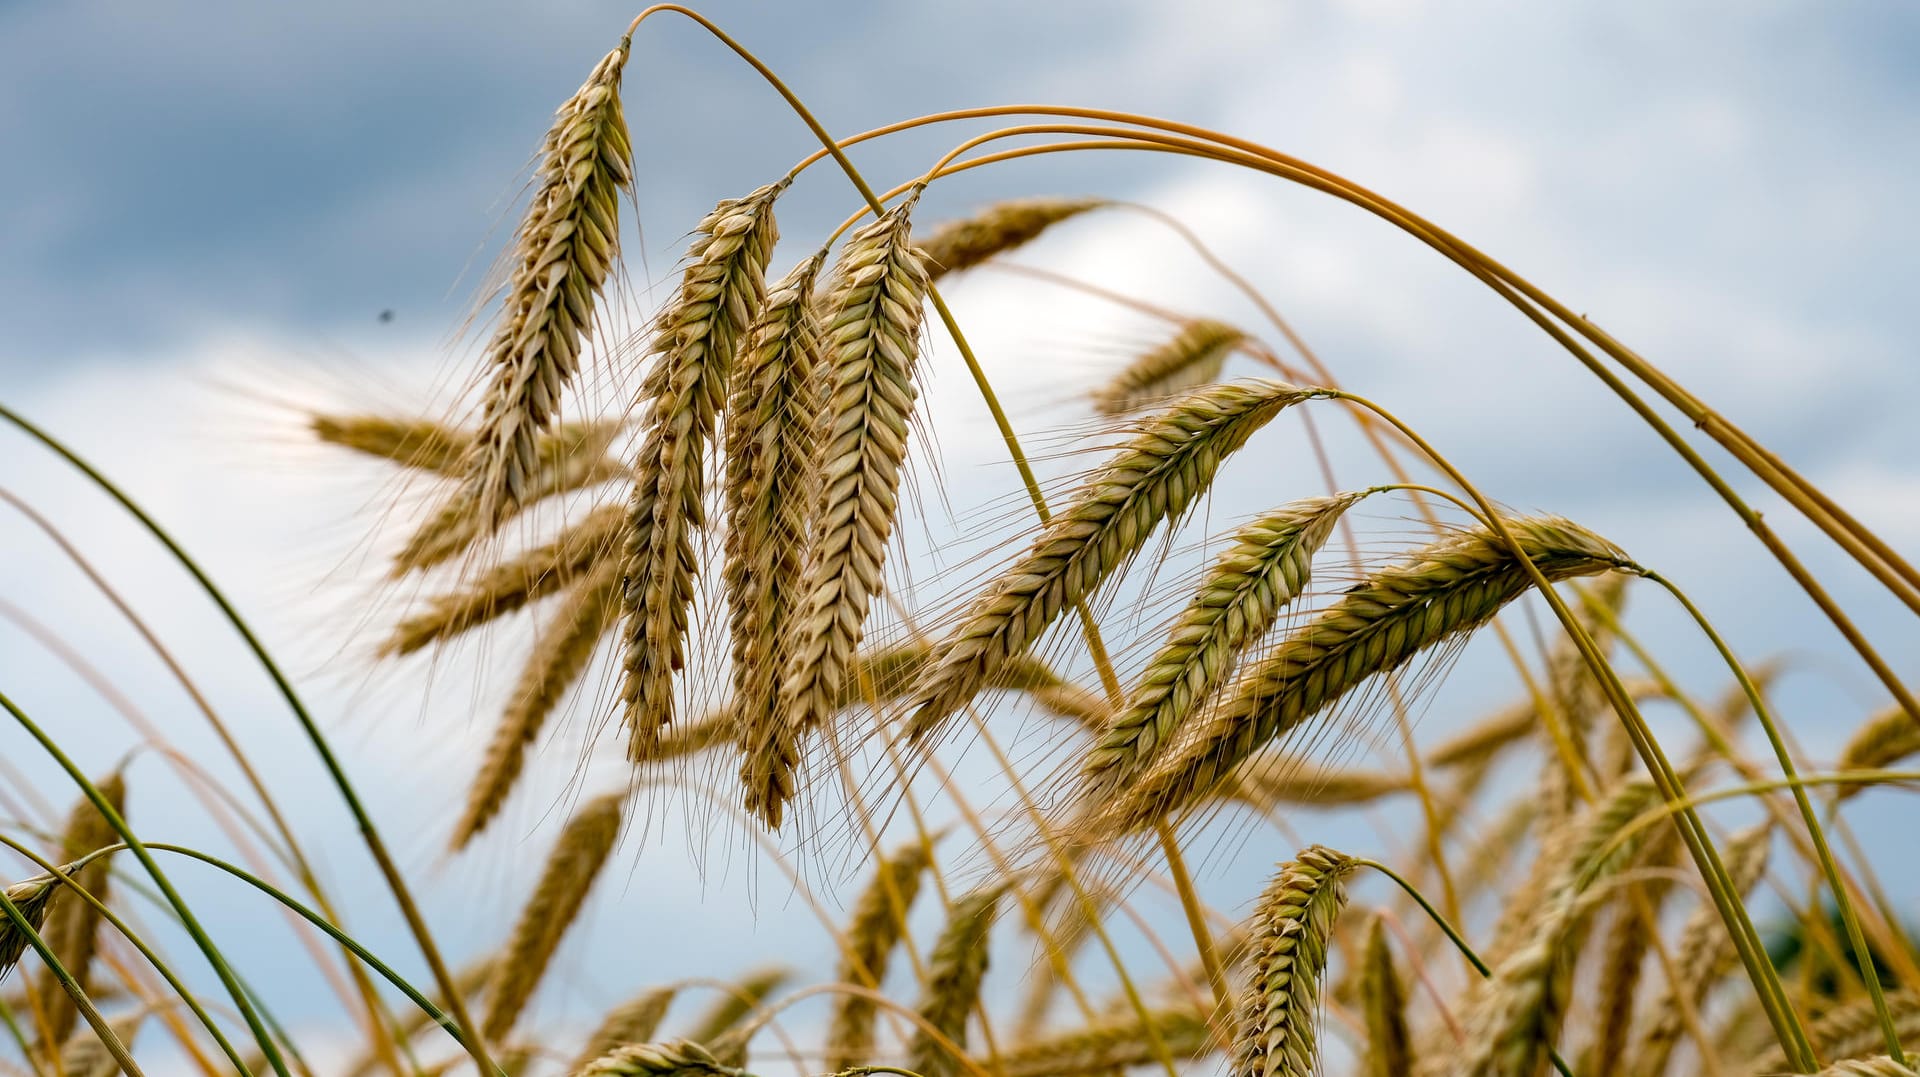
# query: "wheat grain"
73,926
674,1058
873,933
1383,1004
872,349
955,970
632,1022
1154,479
1193,357
564,251
963,244
85,1054
571,868
1292,923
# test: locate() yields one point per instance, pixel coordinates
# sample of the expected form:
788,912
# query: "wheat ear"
85,1054
872,349
564,251
31,898
1881,1066
1440,592
1885,739
511,585
560,656
963,244
572,866
674,1058
773,421
1159,474
632,1022
1852,1030
414,443
873,933
1270,781
1383,1004
955,970
1266,566
732,1006
695,339
73,927
1111,1045
1193,357
1292,923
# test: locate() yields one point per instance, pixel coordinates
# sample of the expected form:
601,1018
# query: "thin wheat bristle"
1154,479
1193,357
73,927
560,656
1383,1006
1293,921
632,1022
872,346
674,1058
962,244
773,422
695,339
1266,566
573,865
564,251
874,931
1440,592
955,970
1111,1045
511,585
31,898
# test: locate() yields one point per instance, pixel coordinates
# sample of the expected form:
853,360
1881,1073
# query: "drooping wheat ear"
511,585
872,349
73,927
632,1022
1705,954
1576,697
31,897
571,457
1882,1066
1886,739
1383,1003
674,1058
559,658
733,1006
695,340
773,422
85,1054
963,244
571,869
1159,474
1517,1012
1193,357
874,932
1270,781
1279,1016
1440,592
954,972
1111,1045
1266,566
564,251
415,443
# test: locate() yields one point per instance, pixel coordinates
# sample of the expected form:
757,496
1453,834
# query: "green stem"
80,1000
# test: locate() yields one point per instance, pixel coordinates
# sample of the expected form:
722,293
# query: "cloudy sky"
205,210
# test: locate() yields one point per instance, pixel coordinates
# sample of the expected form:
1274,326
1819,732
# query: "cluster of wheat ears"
754,494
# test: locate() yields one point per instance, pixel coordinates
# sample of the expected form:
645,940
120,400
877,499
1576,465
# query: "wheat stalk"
73,926
1383,1005
674,1058
1440,592
1266,566
873,933
1111,1045
955,970
963,244
695,338
1292,923
564,251
1192,357
573,865
1155,478
872,348
558,660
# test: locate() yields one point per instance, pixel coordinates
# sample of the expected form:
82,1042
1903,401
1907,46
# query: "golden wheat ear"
31,898
1193,357
564,252
956,245
955,971
632,1021
674,1058
1111,1045
1279,1023
73,926
695,339
874,931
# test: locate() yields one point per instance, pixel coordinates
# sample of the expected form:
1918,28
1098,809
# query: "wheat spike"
73,926
872,349
1383,1003
511,585
632,1022
772,427
955,970
1881,1066
1270,781
31,898
727,1011
559,658
414,443
674,1058
1110,1045
1887,738
1440,592
564,251
963,244
1193,357
1292,923
1155,478
695,339
571,868
873,933
1266,566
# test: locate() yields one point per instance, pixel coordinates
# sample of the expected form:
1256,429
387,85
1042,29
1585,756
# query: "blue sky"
205,208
